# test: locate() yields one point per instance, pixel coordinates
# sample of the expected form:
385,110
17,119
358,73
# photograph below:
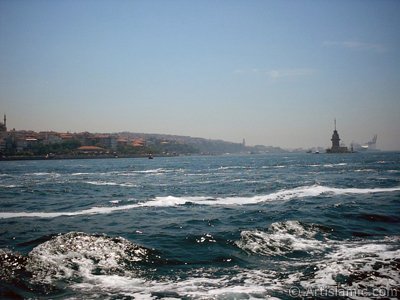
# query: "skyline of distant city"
273,72
52,136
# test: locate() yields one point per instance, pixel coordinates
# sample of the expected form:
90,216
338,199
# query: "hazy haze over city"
272,72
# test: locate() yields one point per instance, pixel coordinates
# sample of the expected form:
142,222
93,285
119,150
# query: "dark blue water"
226,227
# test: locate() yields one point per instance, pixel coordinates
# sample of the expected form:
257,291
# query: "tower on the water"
336,148
335,139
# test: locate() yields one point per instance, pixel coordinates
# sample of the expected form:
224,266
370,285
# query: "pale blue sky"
273,72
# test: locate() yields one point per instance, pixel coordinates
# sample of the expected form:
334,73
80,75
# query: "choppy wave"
111,183
243,284
170,201
76,257
77,254
334,165
252,229
362,264
53,174
99,265
281,239
9,186
102,266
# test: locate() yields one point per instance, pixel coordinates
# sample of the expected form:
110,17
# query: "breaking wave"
359,264
112,267
78,254
81,259
100,266
281,239
171,201
110,183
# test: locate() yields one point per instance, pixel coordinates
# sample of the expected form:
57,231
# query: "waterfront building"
50,137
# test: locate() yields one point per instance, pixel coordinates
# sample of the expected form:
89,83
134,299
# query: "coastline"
66,157
146,156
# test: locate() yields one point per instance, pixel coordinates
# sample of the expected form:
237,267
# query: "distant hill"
204,146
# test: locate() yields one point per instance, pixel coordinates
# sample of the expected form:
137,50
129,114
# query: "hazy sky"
272,72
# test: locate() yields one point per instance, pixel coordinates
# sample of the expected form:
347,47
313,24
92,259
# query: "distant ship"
368,146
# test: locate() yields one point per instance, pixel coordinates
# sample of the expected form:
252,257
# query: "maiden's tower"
336,148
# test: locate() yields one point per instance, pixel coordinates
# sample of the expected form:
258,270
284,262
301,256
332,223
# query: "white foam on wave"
335,165
43,174
89,211
368,264
152,171
393,171
364,170
103,267
200,284
231,168
98,266
110,183
281,239
82,173
169,201
300,192
8,186
121,173
355,264
77,255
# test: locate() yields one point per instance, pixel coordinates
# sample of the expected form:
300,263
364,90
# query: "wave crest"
281,238
359,264
171,201
77,255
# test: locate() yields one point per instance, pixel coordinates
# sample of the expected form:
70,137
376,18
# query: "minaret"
3,127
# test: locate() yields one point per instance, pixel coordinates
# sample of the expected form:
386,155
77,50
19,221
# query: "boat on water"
369,146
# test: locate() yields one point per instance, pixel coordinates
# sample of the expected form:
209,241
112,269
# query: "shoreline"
146,156
67,157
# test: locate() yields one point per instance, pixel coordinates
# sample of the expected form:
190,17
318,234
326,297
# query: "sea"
274,226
